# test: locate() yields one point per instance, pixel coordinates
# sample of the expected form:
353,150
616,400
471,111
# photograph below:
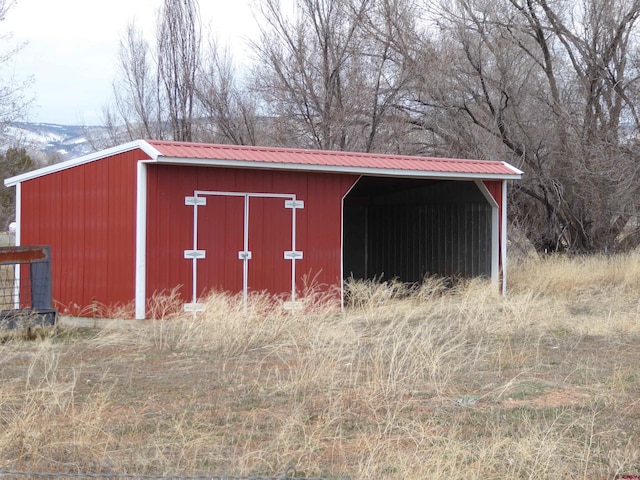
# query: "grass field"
434,383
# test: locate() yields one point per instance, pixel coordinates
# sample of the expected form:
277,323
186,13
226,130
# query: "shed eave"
371,171
151,151
516,171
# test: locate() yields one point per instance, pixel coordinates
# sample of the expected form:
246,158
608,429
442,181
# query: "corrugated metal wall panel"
96,247
413,229
410,242
87,215
221,233
169,224
269,237
221,224
495,189
121,225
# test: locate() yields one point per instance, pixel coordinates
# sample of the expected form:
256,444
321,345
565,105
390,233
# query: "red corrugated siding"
495,189
221,228
87,215
221,235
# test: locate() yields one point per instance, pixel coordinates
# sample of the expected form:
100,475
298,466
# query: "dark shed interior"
406,229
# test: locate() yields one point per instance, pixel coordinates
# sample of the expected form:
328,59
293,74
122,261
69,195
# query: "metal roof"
295,159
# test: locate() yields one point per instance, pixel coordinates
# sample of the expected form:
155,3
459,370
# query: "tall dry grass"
428,382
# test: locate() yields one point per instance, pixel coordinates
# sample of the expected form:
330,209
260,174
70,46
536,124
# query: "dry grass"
429,383
7,287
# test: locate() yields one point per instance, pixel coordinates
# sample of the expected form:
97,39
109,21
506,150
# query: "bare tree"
12,162
179,56
230,110
155,91
136,95
330,71
14,103
550,86
331,76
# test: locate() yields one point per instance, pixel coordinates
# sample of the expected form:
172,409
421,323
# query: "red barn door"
219,238
244,242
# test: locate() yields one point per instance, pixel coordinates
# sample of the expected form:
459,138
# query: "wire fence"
290,474
25,277
25,287
23,292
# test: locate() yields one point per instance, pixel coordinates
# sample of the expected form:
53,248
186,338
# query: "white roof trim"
141,144
371,171
516,170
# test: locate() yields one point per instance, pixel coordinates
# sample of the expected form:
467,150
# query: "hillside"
51,140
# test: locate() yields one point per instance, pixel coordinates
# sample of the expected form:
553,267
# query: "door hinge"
244,255
195,201
294,204
194,254
194,307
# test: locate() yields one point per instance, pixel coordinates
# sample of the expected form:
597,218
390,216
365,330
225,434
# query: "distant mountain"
59,142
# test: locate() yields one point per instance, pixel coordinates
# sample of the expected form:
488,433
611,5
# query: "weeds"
406,383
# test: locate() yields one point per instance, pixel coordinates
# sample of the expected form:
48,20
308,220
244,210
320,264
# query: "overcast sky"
72,47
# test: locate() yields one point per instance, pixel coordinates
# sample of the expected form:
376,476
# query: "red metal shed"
148,216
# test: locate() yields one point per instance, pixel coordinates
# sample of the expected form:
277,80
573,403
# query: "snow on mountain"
50,141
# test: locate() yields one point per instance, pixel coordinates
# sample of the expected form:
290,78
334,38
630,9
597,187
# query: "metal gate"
245,255
25,286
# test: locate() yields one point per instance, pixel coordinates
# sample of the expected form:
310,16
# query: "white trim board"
140,292
92,157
